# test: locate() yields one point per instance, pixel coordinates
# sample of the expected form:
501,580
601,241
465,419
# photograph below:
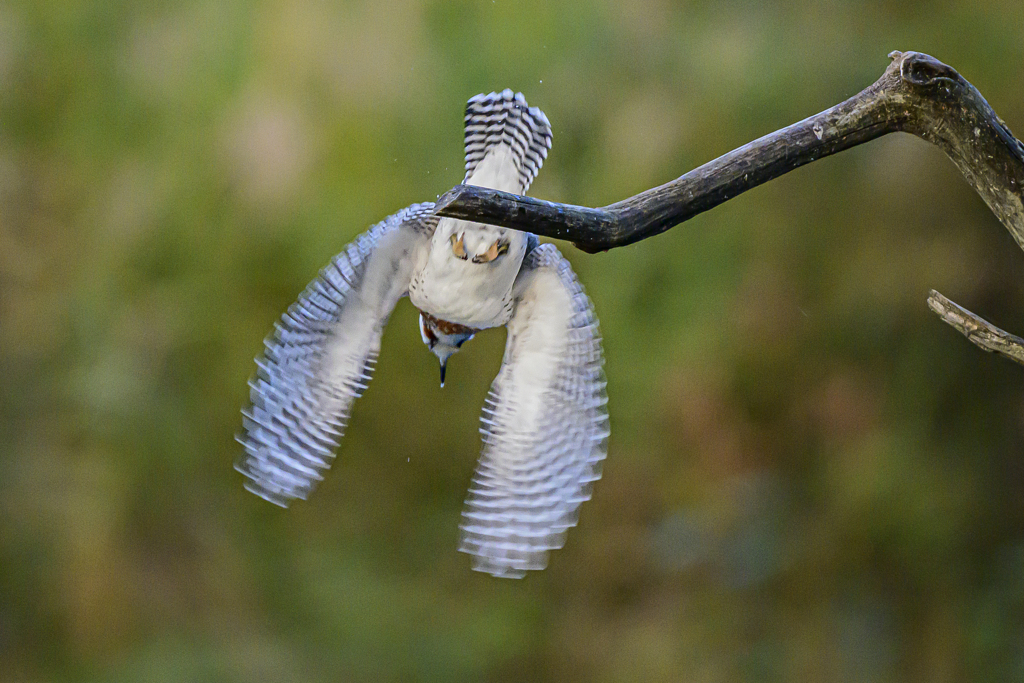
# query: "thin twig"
983,333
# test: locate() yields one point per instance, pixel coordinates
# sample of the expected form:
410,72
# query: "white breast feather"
461,291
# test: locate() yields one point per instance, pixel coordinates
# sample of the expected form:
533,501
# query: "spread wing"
321,356
545,424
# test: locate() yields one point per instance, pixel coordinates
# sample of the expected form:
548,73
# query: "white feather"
545,424
322,354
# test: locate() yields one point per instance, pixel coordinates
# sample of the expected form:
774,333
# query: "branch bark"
917,94
981,332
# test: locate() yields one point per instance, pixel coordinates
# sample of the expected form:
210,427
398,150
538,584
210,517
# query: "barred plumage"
320,359
545,421
504,117
544,425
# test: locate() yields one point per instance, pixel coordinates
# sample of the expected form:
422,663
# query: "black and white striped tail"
504,117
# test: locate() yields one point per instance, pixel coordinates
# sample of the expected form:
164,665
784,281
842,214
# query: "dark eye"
503,248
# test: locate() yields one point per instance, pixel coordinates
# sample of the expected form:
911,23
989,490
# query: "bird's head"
444,339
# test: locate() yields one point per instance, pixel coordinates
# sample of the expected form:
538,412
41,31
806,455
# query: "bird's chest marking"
448,327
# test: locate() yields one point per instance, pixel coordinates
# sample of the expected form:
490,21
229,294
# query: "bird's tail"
504,118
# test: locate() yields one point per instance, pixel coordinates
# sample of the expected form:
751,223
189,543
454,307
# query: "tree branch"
983,333
917,94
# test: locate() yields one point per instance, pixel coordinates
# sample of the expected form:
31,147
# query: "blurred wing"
321,356
545,424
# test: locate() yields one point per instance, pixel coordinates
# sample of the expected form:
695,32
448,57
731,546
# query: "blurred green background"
810,476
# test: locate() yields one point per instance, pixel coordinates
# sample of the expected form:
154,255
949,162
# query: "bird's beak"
444,366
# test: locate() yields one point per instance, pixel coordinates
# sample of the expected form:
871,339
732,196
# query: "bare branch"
917,94
983,333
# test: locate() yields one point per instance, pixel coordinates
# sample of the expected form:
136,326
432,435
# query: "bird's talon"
458,248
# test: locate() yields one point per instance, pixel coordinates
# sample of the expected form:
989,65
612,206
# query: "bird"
544,424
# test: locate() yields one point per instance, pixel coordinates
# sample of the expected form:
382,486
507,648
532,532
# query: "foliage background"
810,478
